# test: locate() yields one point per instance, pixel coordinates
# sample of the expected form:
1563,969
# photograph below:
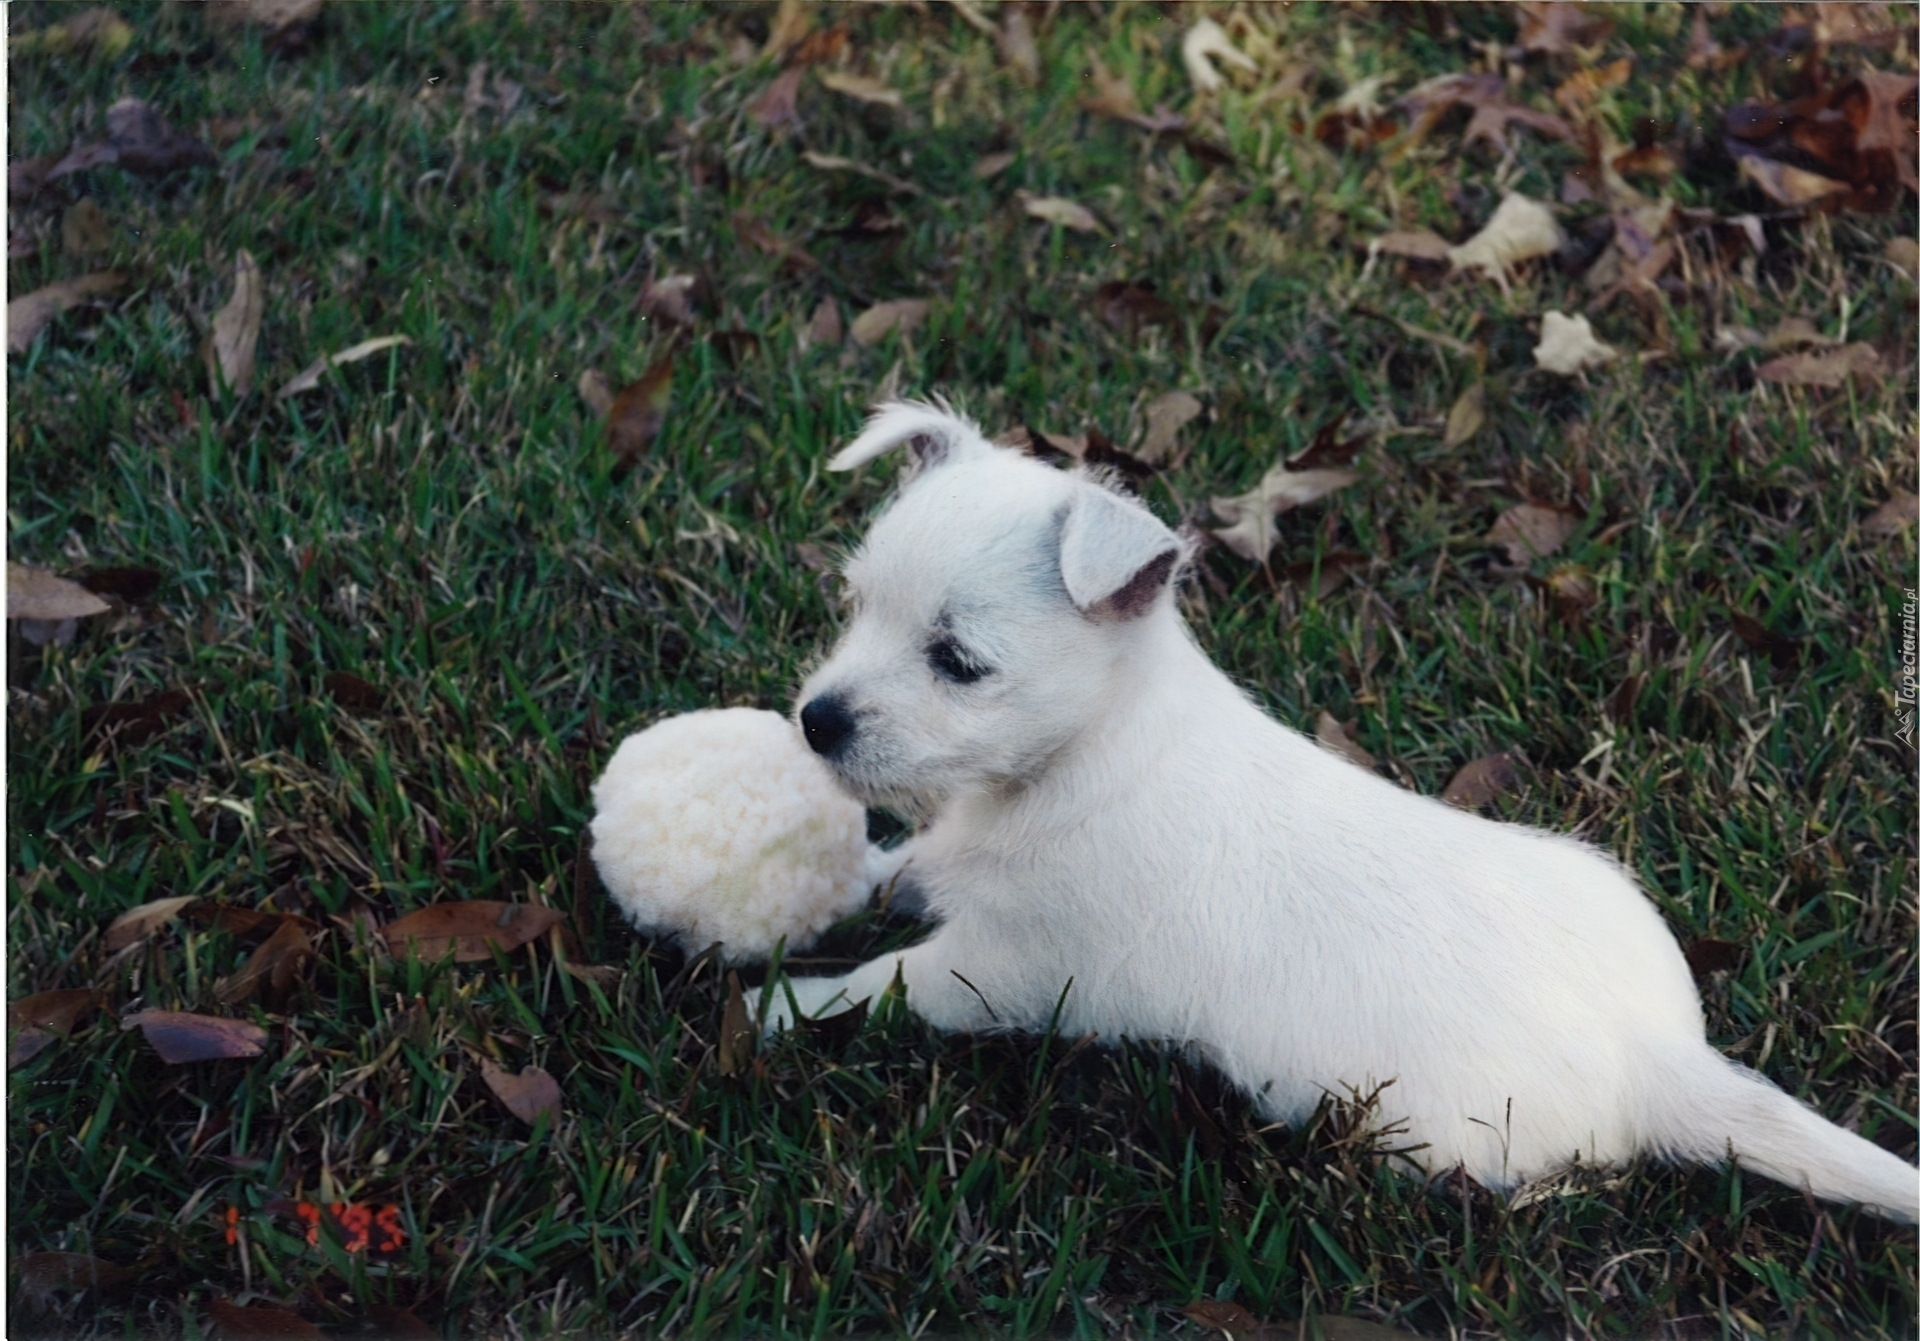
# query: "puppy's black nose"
828,724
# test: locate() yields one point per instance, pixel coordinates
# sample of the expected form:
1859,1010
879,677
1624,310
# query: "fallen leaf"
1519,230
1703,53
353,692
1204,43
737,1033
42,1274
131,723
1127,306
1250,532
1781,650
309,377
180,1037
131,584
470,929
770,242
905,315
1531,531
670,298
527,1095
862,89
138,139
1337,736
1893,516
1468,415
1114,97
594,391
1825,368
258,1322
274,965
1567,345
57,1010
1421,244
824,326
1857,137
1557,27
637,413
236,331
778,105
28,315
1016,45
1166,415
1233,1319
84,229
1059,210
836,163
1785,183
1573,593
1583,86
1792,331
791,22
1327,448
1708,957
137,924
242,923
1904,253
1486,94
97,28
393,1323
276,16
992,165
35,593
823,47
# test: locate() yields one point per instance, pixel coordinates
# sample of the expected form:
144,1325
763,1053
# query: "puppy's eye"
950,661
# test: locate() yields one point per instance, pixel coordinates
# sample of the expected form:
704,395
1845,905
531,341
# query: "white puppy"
1117,832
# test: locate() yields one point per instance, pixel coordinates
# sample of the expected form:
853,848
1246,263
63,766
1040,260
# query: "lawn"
366,645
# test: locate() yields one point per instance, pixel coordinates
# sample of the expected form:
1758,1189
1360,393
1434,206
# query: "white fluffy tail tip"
934,431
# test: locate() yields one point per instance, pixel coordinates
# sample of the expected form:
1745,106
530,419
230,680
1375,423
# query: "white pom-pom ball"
723,826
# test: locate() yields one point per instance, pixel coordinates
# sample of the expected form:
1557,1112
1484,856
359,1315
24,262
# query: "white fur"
1113,821
723,826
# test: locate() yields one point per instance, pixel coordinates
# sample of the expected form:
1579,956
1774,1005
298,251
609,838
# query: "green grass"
445,522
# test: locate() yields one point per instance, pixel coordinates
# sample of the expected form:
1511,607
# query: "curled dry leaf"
1531,531
274,965
1420,244
309,377
1567,345
1486,94
1827,368
1204,43
824,326
670,298
778,106
1519,230
1893,516
470,930
1786,183
136,924
1166,415
236,330
836,163
737,1032
28,315
637,414
181,1037
862,89
992,165
1468,415
1251,533
1114,97
1553,27
905,315
35,593
1337,736
527,1095
1060,210
791,23
138,139
259,1322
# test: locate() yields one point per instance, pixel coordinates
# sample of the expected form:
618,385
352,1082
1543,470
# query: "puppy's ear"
933,433
1115,556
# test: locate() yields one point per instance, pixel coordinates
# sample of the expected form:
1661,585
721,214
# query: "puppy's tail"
1716,1106
932,431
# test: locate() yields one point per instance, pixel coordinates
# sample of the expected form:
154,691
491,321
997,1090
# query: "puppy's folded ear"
1115,556
933,433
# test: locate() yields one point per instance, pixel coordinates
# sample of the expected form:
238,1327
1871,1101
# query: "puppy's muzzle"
828,724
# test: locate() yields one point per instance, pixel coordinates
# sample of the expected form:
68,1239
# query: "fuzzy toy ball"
723,826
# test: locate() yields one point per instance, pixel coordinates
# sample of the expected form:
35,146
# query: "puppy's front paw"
814,997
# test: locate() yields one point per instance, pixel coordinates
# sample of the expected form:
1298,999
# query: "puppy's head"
998,605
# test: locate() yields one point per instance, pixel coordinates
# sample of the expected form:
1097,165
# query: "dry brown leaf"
737,1033
97,28
1421,244
1231,1318
670,298
1166,415
1893,516
1468,415
57,1010
778,106
1793,331
1250,532
1785,183
309,377
470,930
138,923
35,593
862,89
1826,368
1561,27
527,1095
42,1274
1703,53
1486,94
1904,253
637,414
140,140
1337,736
273,15
1204,43
1568,346
1519,230
84,229
1583,86
791,23
992,165
181,1037
824,326
274,965
1060,210
905,315
1530,531
1114,97
236,330
258,1322
836,163
28,315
